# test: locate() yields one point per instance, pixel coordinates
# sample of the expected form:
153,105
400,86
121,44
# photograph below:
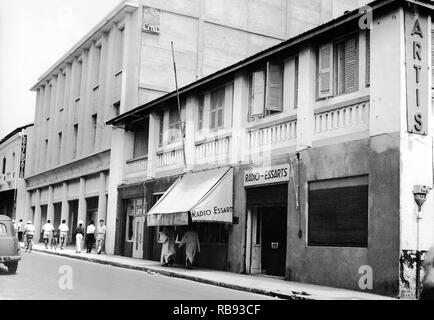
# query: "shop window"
212,232
217,108
338,67
338,213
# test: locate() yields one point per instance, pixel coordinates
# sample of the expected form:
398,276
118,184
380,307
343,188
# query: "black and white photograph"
219,155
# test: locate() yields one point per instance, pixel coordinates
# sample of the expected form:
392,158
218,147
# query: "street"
39,275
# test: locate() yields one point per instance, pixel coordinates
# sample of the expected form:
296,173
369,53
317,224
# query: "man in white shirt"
100,237
47,230
90,237
20,230
29,232
63,230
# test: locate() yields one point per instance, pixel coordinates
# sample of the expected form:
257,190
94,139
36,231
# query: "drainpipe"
300,231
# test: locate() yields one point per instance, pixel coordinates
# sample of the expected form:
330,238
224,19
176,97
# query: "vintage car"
9,247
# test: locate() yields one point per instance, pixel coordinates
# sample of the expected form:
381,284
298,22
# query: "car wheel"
12,267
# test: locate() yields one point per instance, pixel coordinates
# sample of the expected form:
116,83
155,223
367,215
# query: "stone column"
82,206
50,205
102,198
65,203
37,220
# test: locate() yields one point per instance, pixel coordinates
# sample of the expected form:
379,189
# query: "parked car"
10,253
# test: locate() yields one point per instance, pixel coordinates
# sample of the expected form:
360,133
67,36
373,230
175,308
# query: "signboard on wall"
151,20
140,207
23,156
269,175
417,69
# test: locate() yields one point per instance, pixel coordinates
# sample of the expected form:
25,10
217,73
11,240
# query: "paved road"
38,278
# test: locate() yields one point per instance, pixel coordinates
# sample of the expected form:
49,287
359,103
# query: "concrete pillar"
50,205
239,134
82,206
306,101
65,203
37,220
117,164
28,213
102,198
191,107
154,121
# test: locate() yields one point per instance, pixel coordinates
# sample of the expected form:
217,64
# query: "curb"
293,296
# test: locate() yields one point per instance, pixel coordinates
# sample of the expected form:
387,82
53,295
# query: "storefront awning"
207,196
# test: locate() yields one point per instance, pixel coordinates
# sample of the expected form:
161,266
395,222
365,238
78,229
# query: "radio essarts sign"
262,176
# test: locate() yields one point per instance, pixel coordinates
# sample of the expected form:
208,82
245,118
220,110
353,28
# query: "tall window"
78,78
368,58
4,166
200,112
59,147
296,74
62,84
74,141
45,154
94,120
141,139
48,106
217,108
117,108
97,65
161,131
266,91
120,51
14,165
174,125
338,65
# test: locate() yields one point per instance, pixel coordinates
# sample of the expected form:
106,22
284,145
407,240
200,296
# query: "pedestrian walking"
168,252
90,237
428,280
100,236
63,233
20,228
29,232
79,234
47,231
54,240
192,246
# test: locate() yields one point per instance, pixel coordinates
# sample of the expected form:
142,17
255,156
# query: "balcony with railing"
214,151
168,159
272,136
342,120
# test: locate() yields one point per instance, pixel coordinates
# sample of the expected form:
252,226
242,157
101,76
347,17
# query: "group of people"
190,240
52,237
91,234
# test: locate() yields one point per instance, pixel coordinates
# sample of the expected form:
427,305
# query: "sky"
34,34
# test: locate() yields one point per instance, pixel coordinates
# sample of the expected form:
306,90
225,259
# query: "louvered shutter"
274,87
368,58
432,57
325,74
296,73
258,99
351,65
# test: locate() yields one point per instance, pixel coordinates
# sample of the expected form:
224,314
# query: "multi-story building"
13,150
301,161
126,61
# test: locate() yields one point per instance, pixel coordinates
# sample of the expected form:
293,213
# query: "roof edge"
15,131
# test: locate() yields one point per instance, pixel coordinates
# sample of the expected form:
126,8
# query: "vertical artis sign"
23,156
416,35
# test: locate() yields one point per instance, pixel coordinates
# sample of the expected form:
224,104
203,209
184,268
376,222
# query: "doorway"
266,247
268,240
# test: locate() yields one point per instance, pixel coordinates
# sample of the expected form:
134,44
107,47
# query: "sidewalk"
255,284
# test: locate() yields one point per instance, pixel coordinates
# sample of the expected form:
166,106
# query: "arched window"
4,166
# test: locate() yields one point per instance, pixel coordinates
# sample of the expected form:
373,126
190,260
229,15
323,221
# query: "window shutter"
296,73
351,65
432,57
258,93
274,87
368,58
325,74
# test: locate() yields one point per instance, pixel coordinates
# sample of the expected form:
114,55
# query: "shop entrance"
267,230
